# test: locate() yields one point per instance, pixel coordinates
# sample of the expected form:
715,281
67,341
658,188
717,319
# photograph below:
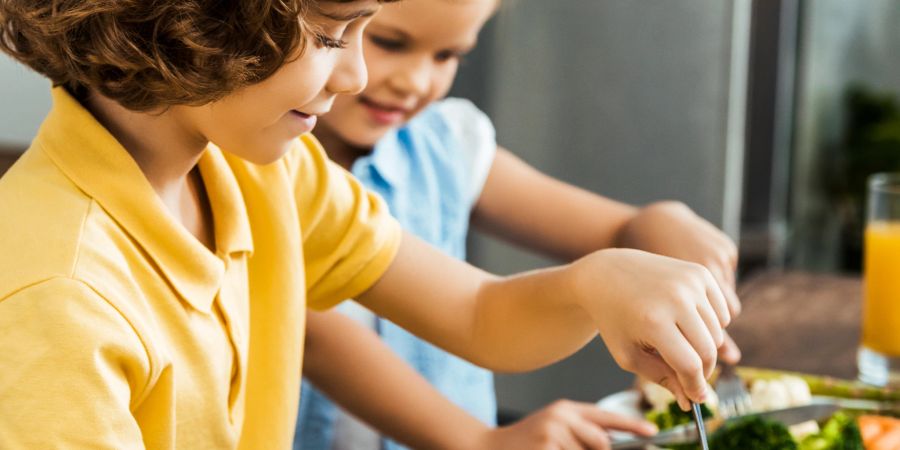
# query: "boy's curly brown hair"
146,54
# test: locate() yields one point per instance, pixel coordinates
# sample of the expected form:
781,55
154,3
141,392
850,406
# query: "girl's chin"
365,139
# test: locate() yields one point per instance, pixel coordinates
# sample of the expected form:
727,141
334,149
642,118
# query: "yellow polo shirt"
120,330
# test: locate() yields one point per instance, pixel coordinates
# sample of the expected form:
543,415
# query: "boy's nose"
350,75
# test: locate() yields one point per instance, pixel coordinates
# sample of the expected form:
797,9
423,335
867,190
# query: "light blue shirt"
430,172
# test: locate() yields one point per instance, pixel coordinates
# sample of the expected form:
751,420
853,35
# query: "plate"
626,403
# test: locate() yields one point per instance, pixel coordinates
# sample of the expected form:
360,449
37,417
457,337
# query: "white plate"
626,403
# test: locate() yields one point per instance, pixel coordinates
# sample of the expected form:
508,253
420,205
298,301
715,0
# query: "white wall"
24,101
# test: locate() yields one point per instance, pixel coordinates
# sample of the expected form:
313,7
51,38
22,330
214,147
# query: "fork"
734,400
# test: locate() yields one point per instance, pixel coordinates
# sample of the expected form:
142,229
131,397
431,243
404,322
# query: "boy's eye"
330,42
393,45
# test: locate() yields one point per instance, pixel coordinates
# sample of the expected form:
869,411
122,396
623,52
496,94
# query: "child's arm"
660,317
520,204
380,388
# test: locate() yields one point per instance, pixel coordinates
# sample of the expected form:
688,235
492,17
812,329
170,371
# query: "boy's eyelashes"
329,42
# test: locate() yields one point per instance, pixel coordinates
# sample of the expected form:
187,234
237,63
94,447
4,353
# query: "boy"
153,285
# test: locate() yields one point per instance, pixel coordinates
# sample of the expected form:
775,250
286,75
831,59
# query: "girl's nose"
414,78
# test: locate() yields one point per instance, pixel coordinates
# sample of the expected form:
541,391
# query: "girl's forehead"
437,16
341,8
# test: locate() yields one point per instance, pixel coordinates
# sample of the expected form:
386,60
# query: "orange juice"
881,306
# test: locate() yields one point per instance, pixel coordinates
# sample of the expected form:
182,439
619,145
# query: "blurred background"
764,116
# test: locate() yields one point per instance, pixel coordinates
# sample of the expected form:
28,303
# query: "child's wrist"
591,277
478,437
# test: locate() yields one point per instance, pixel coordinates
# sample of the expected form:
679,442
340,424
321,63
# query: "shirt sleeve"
349,236
477,139
70,368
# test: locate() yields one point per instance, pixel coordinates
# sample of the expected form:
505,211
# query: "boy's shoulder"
63,254
40,229
53,230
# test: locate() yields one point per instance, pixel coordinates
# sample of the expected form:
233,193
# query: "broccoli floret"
841,432
674,416
753,433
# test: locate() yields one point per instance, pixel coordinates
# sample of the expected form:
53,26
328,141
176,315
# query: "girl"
437,164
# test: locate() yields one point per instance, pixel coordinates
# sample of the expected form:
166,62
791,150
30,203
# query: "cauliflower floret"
803,429
769,394
798,390
659,397
783,392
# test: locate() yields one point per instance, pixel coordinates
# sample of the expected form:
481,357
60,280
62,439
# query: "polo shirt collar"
98,164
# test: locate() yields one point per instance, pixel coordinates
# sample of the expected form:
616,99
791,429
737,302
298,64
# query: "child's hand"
660,317
564,425
672,229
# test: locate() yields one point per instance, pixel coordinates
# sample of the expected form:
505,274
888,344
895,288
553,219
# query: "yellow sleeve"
70,367
349,237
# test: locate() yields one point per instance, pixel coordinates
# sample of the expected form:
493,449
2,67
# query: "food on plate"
879,432
773,390
658,398
828,386
674,416
779,393
752,433
841,432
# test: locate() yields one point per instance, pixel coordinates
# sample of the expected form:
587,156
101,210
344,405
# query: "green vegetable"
752,433
841,432
674,416
833,387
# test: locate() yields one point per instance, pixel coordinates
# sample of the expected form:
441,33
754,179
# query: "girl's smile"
384,114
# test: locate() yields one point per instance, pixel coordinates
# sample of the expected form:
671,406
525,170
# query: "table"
800,321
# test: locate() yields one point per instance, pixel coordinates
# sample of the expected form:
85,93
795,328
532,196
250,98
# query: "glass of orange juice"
879,353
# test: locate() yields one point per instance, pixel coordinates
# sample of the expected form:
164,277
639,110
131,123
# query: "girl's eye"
330,42
392,45
447,55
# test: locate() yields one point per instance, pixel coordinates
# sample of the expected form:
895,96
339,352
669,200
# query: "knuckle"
727,255
731,248
556,411
626,361
718,338
689,299
545,440
655,320
558,406
690,366
726,318
708,356
664,381
545,434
